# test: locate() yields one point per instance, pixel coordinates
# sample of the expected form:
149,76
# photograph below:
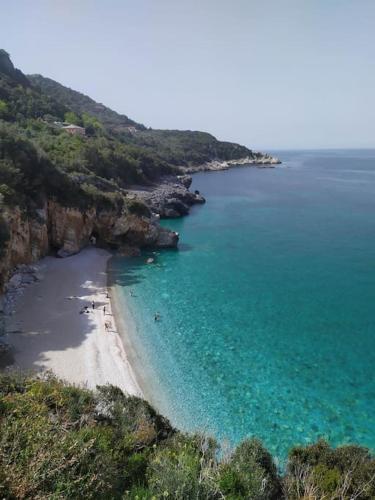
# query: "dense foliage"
80,103
184,147
59,441
27,175
180,148
39,160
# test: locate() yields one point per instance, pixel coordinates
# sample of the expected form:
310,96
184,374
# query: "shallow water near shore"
267,310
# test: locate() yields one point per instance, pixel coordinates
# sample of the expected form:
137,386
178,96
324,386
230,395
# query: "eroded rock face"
185,180
27,243
171,197
68,230
167,239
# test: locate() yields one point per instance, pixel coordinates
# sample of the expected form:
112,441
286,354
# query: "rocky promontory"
61,191
256,159
170,197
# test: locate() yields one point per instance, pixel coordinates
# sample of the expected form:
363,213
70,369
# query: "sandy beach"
48,331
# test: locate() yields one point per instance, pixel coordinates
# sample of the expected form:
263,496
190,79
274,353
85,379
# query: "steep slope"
57,189
81,103
176,147
61,441
188,148
7,68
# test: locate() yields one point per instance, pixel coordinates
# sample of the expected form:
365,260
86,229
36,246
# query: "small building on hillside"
74,129
131,130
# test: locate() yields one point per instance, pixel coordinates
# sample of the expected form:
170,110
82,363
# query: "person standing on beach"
104,310
93,304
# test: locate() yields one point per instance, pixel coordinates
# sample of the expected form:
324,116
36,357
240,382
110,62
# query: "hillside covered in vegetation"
59,186
175,147
59,441
34,151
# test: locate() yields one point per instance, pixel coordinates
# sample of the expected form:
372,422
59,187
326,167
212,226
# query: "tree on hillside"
73,118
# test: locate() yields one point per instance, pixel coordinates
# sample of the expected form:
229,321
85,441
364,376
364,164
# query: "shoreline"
259,161
136,351
122,328
48,331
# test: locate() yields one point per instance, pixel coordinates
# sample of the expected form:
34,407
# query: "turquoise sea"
268,308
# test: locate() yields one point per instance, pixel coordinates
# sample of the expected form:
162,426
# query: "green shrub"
327,480
183,469
139,493
343,473
4,111
60,441
137,207
250,473
230,483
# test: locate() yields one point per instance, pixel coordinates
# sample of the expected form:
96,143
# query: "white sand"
49,333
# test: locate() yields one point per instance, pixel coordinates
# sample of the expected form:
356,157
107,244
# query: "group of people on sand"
108,324
86,310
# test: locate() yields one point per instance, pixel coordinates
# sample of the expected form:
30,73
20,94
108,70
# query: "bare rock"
174,206
170,213
167,238
185,180
171,197
15,281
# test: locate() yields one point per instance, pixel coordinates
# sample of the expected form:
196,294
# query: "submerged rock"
128,251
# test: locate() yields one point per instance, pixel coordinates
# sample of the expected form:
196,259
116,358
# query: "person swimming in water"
157,316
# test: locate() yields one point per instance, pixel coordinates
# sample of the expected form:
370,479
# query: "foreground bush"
319,471
250,473
59,441
71,443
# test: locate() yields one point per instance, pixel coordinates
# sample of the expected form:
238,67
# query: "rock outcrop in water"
171,197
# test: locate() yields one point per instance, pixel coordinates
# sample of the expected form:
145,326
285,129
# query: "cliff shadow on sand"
50,331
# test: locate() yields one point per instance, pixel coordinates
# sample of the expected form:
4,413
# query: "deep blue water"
268,309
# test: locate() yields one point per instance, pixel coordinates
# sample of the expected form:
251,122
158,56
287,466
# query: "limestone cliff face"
68,230
28,242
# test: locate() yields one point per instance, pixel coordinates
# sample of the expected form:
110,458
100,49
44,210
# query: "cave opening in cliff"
94,238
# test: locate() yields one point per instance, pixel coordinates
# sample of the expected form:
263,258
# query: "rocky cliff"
170,197
59,192
66,231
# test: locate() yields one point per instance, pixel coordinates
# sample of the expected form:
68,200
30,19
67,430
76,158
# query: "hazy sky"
266,73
